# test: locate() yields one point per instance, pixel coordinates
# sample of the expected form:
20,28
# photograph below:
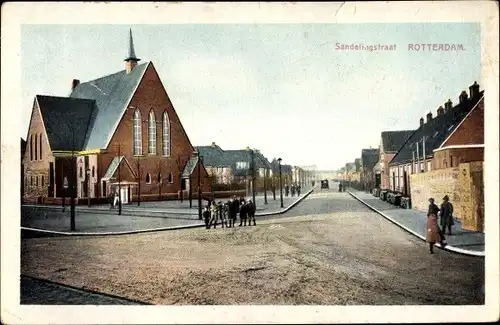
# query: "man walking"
293,190
206,216
446,214
287,190
298,190
222,214
251,213
213,215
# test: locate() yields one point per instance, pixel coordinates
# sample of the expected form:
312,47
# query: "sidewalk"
461,241
103,221
160,208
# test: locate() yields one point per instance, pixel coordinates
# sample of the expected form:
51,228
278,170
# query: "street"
328,250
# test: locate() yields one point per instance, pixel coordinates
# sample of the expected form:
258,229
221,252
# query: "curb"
107,211
52,233
138,302
447,248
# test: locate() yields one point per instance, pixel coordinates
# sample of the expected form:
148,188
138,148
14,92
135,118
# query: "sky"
285,89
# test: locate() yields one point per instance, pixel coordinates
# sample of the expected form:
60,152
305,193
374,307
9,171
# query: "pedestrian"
446,215
340,187
287,190
243,213
298,190
116,199
206,216
251,213
222,214
293,190
234,208
433,233
213,215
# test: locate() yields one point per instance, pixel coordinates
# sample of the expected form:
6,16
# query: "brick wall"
453,157
36,163
457,183
150,95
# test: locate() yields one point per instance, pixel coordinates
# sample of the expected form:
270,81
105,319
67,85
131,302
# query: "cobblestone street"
330,249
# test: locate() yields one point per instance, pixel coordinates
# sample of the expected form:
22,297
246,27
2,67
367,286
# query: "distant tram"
324,184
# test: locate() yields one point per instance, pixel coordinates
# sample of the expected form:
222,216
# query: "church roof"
66,120
111,94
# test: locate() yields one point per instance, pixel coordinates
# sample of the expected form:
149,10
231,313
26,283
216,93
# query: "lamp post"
138,181
281,185
88,186
73,183
265,185
119,182
200,159
253,178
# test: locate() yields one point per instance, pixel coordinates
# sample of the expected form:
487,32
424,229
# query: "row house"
369,159
390,143
429,147
120,131
233,166
286,172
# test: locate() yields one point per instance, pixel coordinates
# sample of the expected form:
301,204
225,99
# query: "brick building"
117,130
417,154
369,159
390,143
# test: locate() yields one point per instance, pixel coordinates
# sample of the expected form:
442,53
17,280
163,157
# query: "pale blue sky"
283,89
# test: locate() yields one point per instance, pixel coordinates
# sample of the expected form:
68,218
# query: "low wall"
144,198
463,185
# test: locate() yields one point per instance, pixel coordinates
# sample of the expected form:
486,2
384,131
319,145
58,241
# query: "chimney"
74,83
474,90
429,117
213,144
447,106
247,148
131,60
463,97
421,121
440,110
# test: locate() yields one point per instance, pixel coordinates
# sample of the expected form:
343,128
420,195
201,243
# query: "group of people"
434,233
295,188
226,213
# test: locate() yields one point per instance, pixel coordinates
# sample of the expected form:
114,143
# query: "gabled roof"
66,120
369,157
213,156
111,94
113,166
393,140
190,166
435,131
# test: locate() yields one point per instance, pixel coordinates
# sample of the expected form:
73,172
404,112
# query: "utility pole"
138,181
73,183
265,185
179,166
119,182
253,178
199,185
88,186
281,185
190,192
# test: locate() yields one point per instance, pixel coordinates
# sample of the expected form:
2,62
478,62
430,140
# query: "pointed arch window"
40,144
170,178
137,133
152,133
165,135
93,171
36,146
148,178
31,148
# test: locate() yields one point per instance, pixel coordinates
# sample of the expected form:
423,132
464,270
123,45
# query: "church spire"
131,60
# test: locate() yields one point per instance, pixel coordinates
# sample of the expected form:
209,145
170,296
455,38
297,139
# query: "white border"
16,13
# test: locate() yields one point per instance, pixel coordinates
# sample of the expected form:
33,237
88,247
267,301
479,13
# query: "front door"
124,195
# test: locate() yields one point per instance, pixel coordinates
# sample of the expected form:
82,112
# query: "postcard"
249,162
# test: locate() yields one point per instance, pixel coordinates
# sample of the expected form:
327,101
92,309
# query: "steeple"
131,60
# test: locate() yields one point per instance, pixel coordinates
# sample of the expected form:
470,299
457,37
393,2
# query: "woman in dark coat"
433,233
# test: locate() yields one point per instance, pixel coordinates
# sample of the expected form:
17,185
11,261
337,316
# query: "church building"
116,133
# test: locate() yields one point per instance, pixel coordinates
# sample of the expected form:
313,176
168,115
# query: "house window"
165,135
81,171
159,178
43,181
40,144
137,133
241,165
148,178
152,133
93,171
451,161
170,178
31,180
36,179
31,148
36,147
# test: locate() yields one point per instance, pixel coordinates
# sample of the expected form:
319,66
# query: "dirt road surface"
329,250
